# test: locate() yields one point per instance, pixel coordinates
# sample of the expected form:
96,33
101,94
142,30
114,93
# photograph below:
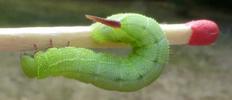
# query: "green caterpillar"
121,73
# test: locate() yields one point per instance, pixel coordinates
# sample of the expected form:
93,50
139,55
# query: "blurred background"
193,73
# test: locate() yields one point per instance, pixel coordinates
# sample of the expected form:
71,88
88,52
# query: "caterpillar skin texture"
121,73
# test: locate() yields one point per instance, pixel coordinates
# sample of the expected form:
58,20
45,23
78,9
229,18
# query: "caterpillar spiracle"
150,51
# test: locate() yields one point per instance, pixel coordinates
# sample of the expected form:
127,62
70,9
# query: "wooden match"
199,32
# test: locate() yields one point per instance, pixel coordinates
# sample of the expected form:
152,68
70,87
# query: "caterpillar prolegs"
150,51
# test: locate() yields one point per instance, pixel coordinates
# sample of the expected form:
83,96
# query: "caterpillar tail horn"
112,23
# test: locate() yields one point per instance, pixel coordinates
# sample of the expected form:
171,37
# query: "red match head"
204,32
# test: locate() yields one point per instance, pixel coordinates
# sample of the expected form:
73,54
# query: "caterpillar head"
28,65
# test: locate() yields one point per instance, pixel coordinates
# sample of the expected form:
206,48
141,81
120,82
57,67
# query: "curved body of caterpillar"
135,71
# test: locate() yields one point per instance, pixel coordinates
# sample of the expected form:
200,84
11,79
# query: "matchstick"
199,32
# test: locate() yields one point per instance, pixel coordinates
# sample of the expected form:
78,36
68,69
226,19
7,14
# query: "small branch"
23,39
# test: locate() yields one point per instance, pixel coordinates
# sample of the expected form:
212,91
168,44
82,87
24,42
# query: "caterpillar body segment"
121,73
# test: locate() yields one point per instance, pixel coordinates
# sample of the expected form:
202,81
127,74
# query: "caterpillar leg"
68,44
50,43
28,65
35,47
